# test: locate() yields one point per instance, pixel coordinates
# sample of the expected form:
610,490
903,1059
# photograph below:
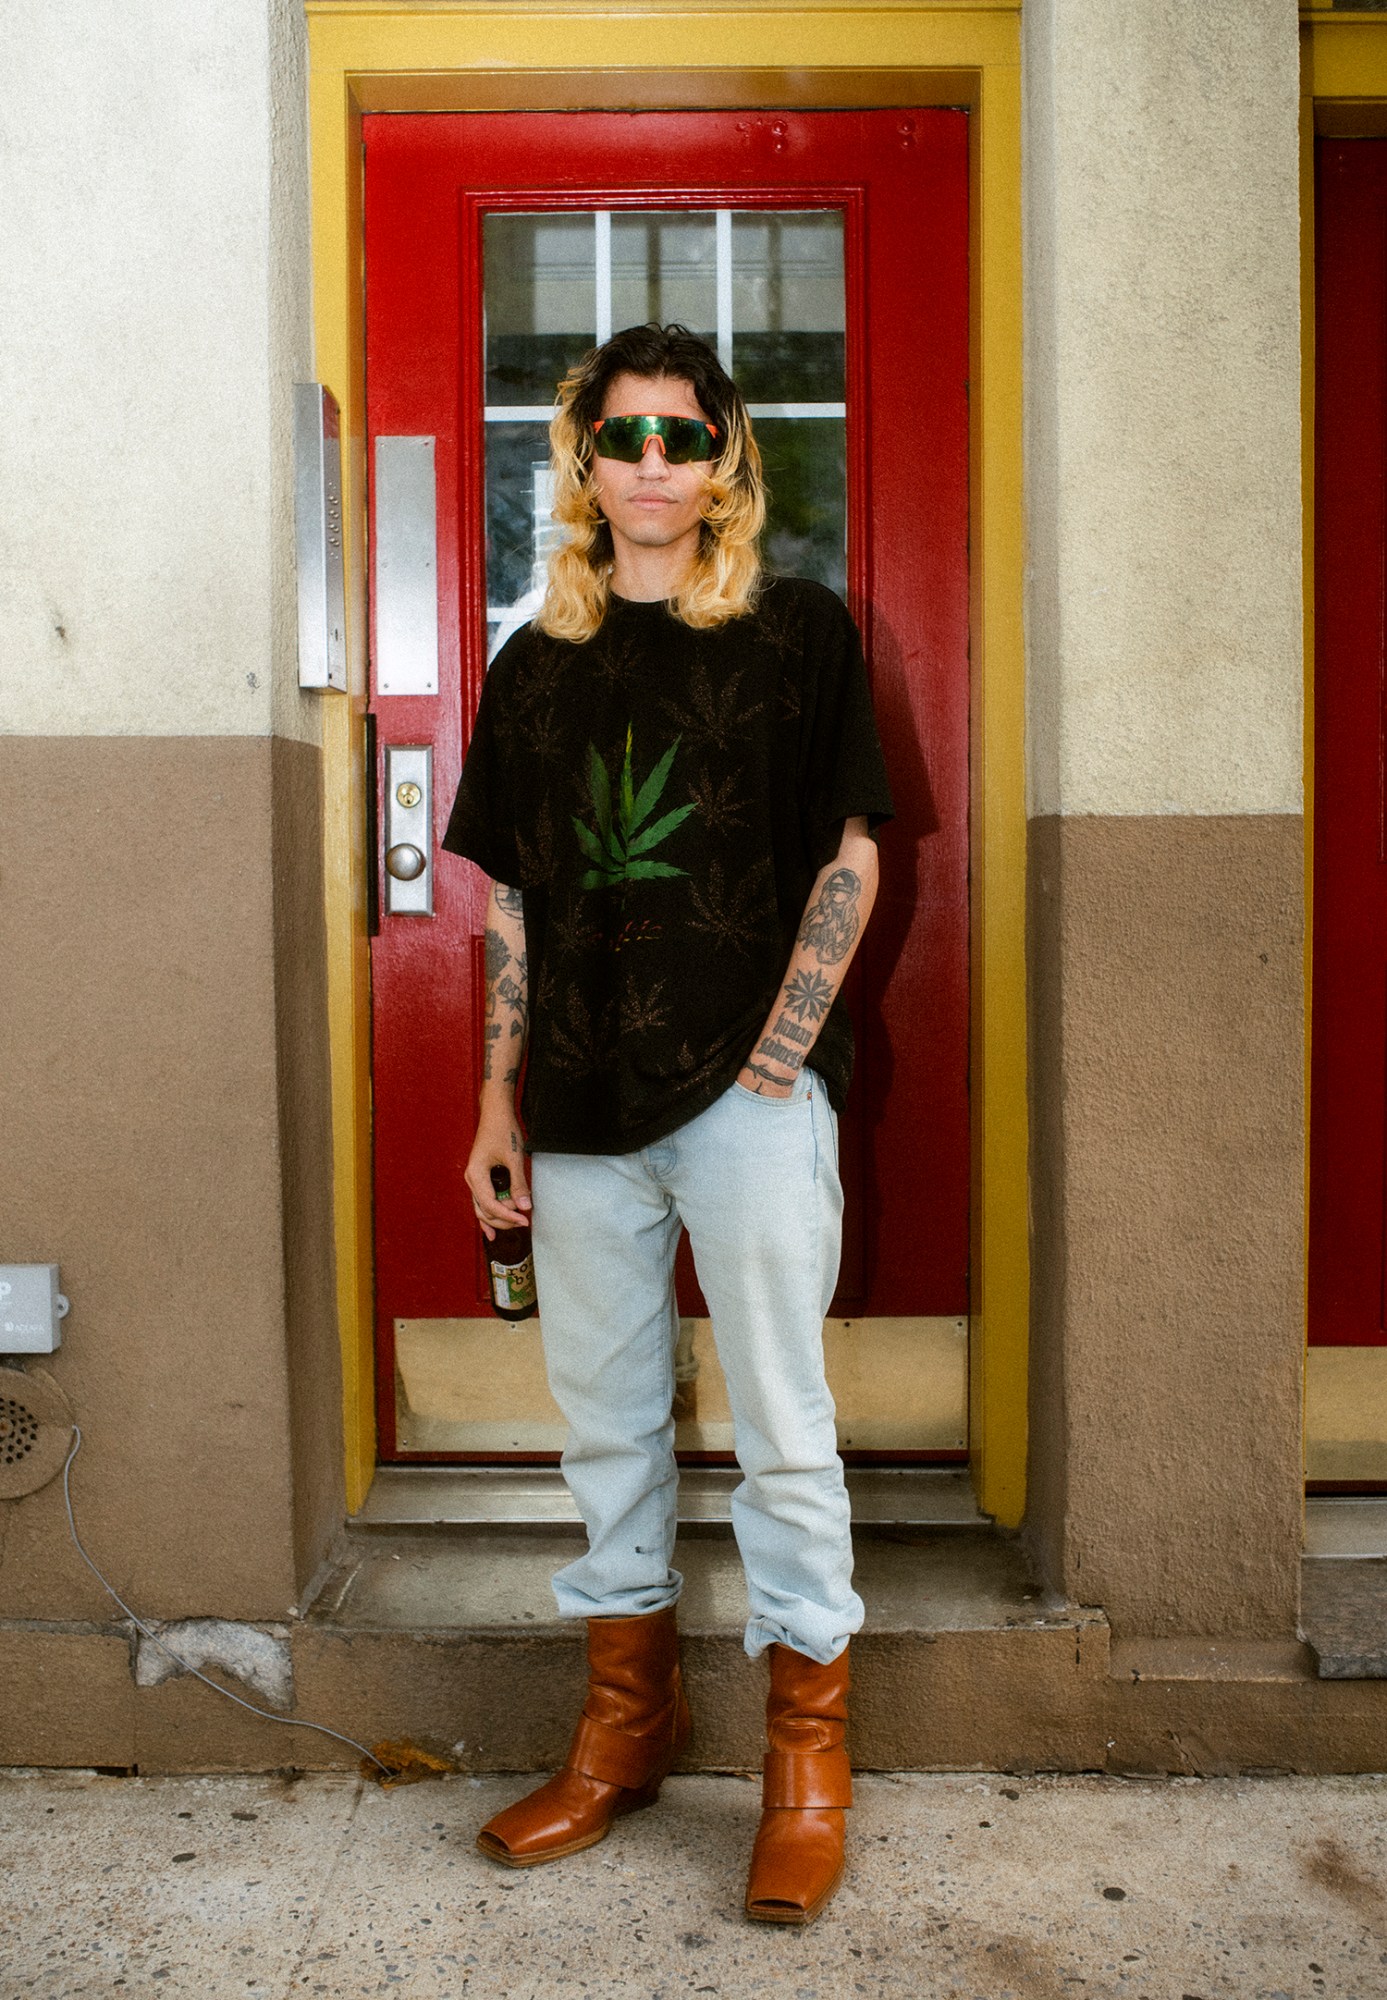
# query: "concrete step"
451,1638
447,1636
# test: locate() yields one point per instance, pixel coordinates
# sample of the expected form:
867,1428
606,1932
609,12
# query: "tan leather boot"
634,1723
797,1861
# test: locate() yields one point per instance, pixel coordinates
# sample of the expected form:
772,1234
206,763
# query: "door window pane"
541,302
664,267
805,463
788,309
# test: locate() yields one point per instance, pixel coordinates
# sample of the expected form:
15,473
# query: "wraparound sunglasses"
683,440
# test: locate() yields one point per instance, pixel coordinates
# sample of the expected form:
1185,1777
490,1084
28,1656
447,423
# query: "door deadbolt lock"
404,861
408,801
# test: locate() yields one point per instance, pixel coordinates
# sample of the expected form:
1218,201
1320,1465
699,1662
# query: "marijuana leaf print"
735,916
711,714
577,1042
716,807
644,1013
619,846
536,855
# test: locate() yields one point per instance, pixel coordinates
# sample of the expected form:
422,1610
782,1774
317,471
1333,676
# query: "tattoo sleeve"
506,1028
838,907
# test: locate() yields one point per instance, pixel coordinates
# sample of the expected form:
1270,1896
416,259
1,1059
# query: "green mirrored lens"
685,439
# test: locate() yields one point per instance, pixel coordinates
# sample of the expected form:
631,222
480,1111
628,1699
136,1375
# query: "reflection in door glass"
806,466
664,267
540,302
764,286
788,307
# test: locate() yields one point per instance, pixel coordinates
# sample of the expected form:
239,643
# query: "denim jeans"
755,1182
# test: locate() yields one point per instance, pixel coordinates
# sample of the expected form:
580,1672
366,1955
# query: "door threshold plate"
429,1495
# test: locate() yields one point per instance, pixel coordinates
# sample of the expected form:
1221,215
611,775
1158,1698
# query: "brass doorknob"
405,862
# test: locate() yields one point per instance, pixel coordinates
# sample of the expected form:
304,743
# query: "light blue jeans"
755,1182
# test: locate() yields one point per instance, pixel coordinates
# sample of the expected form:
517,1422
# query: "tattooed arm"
835,916
499,1141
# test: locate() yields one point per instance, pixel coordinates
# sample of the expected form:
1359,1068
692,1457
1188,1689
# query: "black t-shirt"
664,798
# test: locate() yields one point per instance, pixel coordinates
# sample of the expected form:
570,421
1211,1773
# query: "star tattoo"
809,995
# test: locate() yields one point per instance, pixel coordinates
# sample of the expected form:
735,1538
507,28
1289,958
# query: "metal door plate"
408,829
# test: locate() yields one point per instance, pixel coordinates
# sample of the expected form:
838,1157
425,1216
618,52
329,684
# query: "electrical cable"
290,1721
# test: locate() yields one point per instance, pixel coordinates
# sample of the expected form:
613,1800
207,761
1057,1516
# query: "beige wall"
1164,671
163,1094
1163,405
154,232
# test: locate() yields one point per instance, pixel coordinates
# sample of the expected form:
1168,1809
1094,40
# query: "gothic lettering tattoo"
792,1031
830,928
777,1052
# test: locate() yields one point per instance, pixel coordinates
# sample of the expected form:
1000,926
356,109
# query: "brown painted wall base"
1061,1699
164,1111
1167,1166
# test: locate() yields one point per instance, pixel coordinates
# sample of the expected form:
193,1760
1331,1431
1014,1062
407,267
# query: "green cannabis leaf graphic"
620,847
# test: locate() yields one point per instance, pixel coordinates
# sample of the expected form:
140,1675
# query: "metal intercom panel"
32,1309
318,529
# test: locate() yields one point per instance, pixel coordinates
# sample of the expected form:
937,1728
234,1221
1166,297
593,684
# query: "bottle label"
513,1285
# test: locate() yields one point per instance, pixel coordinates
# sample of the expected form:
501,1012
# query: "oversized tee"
664,798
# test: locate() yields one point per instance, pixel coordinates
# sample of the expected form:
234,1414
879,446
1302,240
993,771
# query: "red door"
562,226
1348,1064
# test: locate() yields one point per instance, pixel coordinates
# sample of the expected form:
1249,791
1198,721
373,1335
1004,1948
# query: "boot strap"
806,1778
613,1757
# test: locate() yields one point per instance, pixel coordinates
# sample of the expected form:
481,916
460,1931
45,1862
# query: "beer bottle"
511,1263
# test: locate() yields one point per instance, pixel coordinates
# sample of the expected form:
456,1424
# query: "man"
672,781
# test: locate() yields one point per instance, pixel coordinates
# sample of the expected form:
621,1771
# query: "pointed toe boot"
634,1723
797,1861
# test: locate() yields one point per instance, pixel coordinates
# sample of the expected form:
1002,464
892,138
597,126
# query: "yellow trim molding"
461,55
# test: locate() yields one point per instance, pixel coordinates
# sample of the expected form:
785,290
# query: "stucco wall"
164,1099
1164,673
154,234
1162,403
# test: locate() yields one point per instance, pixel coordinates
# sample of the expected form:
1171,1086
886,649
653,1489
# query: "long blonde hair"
726,573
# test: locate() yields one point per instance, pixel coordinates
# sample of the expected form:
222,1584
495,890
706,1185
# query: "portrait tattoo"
830,928
510,900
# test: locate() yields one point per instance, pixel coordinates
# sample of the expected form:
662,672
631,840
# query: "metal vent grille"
19,1431
35,1430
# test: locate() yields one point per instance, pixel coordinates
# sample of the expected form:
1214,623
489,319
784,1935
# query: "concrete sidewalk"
986,1886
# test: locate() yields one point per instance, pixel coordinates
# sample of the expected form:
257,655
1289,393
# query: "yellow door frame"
1343,86
458,55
